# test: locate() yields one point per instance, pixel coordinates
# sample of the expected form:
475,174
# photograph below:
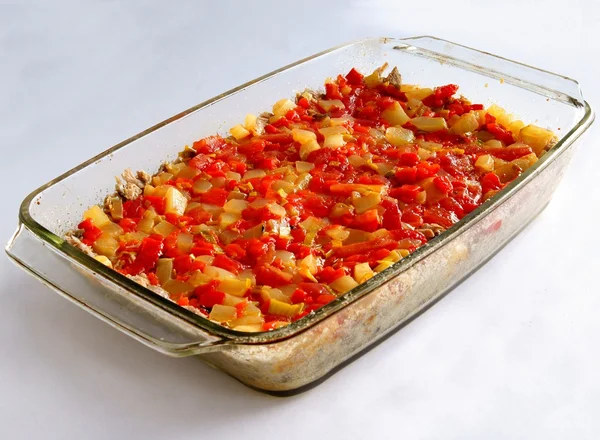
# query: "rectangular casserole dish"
294,356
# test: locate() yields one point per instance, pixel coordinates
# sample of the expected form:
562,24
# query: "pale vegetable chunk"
343,284
239,132
164,228
175,202
362,272
97,216
235,206
218,273
283,106
106,245
331,104
484,163
308,148
250,122
537,138
221,313
429,124
303,136
467,123
164,269
398,136
234,287
364,203
415,92
395,115
334,141
177,287
277,307
104,260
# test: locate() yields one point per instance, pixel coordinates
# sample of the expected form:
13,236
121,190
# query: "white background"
513,352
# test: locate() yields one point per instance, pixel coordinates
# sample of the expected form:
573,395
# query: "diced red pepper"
90,232
332,91
443,184
365,246
427,169
406,175
215,196
500,133
409,159
354,77
158,203
510,154
147,255
368,221
406,193
328,274
392,217
490,181
227,263
209,144
208,296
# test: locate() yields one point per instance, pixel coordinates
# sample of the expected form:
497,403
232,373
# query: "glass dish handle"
134,316
531,78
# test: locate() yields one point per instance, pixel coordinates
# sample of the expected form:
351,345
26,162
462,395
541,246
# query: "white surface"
495,359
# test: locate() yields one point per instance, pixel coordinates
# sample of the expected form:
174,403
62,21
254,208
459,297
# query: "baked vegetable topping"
300,205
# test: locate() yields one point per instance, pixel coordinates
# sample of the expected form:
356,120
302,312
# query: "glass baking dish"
292,357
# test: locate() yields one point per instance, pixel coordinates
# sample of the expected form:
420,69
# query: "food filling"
299,205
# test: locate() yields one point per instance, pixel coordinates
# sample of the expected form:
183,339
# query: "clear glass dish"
297,355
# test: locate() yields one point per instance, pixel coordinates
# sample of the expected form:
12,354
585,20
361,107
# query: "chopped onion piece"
364,203
395,115
338,233
197,278
277,210
362,272
221,313
232,175
485,163
334,141
177,287
304,167
218,273
254,174
281,308
247,321
536,137
398,136
97,216
328,131
343,284
231,300
286,257
308,147
235,287
112,229
467,123
429,124
333,104
250,122
201,186
164,228
226,219
106,245
235,206
303,136
185,242
283,106
239,132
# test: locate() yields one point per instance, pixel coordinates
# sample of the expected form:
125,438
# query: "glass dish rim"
61,246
